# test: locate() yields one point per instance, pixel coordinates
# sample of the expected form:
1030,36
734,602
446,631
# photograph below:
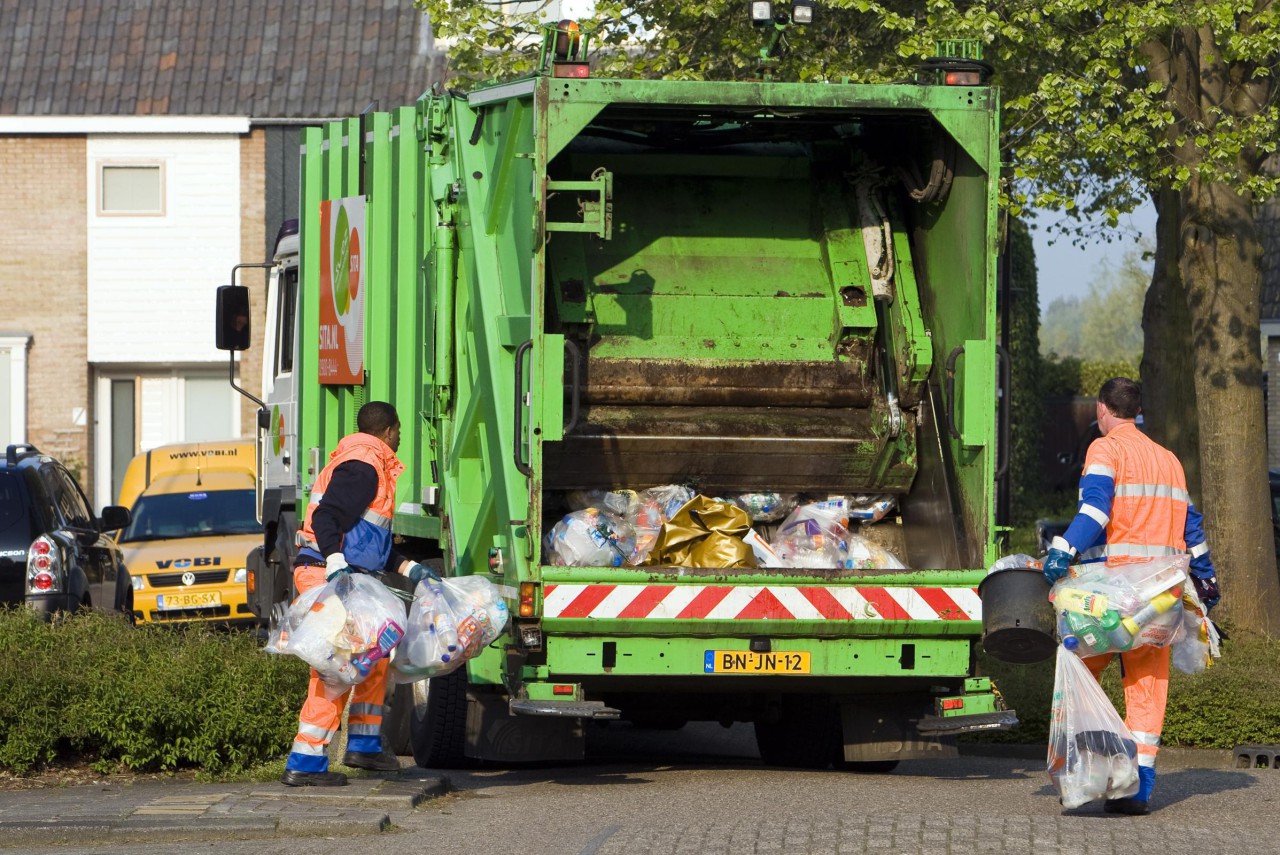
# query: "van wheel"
440,721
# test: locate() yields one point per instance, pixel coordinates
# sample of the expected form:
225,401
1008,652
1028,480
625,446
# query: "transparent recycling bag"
1092,754
341,628
591,537
1107,609
450,622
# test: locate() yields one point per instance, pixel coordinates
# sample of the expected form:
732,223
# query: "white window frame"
17,345
102,165
175,416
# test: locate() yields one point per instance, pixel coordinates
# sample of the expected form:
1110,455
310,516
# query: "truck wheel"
805,734
397,721
440,721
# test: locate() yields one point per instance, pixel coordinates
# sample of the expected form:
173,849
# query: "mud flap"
887,731
495,735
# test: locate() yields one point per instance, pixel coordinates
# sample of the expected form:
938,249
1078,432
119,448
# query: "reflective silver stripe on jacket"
1152,491
1198,550
1096,514
364,709
377,519
1146,738
1099,469
1128,550
364,729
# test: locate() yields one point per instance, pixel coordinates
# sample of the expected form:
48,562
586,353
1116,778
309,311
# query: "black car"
54,553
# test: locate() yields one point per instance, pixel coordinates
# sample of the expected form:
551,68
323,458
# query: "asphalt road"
704,790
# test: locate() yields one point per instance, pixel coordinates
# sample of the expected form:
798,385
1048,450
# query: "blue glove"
1207,588
335,565
1056,564
418,572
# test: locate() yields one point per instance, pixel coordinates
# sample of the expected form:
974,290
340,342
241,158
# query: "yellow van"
194,520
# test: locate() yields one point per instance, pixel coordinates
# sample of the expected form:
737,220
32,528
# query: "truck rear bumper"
727,658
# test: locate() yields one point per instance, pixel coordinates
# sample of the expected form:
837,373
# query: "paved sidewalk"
159,811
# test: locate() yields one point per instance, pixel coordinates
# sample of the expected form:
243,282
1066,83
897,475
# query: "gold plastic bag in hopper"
704,533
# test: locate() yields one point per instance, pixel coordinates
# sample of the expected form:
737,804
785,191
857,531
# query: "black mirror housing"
115,517
234,327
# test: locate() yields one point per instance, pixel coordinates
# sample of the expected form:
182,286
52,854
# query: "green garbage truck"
567,283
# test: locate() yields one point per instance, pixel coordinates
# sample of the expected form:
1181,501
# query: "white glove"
335,564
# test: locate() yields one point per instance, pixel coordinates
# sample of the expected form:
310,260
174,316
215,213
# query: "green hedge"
148,698
1235,702
1065,376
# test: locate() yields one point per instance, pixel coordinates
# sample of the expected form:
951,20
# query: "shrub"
148,698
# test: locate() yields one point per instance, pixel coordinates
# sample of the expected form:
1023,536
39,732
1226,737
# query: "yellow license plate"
190,600
746,662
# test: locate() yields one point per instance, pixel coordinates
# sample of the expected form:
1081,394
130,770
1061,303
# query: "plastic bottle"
1069,639
1081,602
1117,633
1088,631
389,636
1160,604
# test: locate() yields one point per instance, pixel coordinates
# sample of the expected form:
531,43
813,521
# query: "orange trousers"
322,712
1144,673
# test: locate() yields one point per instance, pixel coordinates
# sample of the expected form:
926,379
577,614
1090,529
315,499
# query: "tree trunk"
1168,395
1220,264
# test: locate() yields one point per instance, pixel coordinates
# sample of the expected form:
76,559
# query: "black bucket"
1017,617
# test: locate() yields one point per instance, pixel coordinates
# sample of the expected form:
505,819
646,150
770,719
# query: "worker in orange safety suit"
1133,507
347,529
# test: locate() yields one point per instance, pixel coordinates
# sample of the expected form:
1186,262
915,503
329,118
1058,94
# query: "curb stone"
87,815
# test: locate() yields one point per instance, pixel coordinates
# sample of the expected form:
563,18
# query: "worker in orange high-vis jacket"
347,529
1134,506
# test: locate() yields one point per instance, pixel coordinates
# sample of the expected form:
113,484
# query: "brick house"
147,146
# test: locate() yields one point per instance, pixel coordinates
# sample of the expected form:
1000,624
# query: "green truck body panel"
606,284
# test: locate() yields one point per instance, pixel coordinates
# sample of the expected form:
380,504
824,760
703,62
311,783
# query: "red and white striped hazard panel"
757,602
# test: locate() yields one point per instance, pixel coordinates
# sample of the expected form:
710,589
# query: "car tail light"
44,566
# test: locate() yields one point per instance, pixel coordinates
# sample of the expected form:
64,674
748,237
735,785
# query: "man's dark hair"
1122,397
376,417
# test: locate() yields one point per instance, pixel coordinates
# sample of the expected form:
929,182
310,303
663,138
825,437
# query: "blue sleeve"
1201,563
1097,489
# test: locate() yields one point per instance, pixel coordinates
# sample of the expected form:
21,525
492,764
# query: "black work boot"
371,761
1129,807
294,778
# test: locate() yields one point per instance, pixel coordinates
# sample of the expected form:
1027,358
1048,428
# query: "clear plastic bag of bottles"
652,508
1107,609
590,537
814,535
450,622
341,628
620,503
764,506
870,509
1092,754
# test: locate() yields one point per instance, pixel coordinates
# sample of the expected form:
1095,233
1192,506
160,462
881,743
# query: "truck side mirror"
233,317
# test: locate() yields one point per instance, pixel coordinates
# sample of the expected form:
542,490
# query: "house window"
131,189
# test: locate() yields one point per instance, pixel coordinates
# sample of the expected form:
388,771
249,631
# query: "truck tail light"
250,581
528,597
962,78
44,566
579,70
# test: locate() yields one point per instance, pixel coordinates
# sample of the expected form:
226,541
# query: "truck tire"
805,735
397,721
440,721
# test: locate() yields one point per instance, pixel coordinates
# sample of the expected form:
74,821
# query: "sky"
1064,270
